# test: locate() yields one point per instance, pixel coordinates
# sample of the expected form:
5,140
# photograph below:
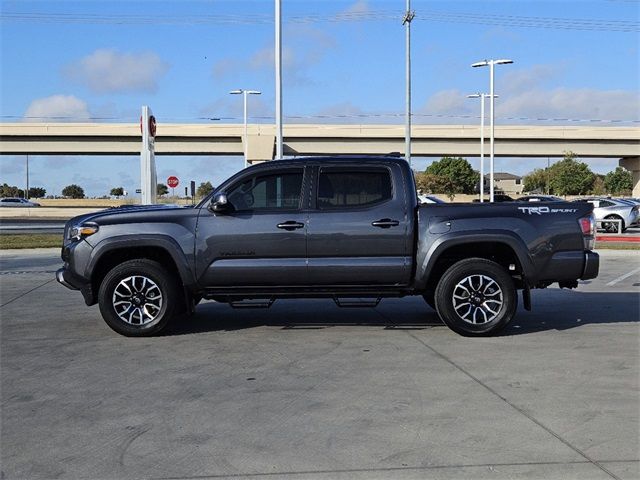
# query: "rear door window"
341,188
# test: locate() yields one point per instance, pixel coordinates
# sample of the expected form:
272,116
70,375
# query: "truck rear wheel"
476,297
137,298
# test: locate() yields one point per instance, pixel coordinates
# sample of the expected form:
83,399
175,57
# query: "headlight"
82,231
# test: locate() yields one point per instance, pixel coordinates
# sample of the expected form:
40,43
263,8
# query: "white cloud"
532,96
110,71
311,47
59,108
568,103
231,106
446,102
359,7
519,80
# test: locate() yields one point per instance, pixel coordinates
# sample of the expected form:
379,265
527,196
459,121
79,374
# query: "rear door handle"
385,223
290,225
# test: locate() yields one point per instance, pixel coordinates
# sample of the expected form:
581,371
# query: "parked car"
605,208
346,228
17,202
497,197
540,198
631,201
429,199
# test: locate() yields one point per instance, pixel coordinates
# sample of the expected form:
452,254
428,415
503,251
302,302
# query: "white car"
429,199
605,208
17,202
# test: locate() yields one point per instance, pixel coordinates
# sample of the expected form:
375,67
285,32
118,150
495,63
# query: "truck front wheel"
476,297
137,298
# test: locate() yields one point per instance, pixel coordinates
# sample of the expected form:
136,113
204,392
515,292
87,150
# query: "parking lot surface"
306,390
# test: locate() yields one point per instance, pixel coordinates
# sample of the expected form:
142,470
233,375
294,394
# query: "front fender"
165,242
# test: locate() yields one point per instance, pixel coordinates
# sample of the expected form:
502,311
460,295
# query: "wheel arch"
164,250
502,248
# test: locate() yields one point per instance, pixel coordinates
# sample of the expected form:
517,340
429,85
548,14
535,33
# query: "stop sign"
172,181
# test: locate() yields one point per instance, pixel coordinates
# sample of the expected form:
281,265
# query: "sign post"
148,176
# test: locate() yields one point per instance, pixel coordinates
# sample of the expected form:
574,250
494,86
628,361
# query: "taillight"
588,227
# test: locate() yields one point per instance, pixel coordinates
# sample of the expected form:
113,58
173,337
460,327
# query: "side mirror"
219,203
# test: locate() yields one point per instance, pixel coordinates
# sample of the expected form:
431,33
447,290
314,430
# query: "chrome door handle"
385,223
290,225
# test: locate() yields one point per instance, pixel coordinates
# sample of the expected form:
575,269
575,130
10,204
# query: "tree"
37,192
598,185
536,181
457,171
619,181
570,177
7,190
73,191
117,191
162,189
429,183
204,189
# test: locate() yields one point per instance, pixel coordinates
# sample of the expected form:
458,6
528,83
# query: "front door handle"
385,223
290,225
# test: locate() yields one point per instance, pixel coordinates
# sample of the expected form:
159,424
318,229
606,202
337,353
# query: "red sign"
173,182
152,126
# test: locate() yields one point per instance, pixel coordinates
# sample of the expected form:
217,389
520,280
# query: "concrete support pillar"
260,148
633,165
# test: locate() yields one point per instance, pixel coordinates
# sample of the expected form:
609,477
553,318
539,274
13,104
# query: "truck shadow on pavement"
553,309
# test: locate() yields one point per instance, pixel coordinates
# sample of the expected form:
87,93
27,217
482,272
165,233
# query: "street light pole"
278,58
492,141
245,138
26,193
491,64
408,16
481,96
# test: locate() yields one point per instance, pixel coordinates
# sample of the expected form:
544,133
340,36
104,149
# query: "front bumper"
74,282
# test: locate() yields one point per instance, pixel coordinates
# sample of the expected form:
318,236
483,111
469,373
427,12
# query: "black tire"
492,308
429,297
148,314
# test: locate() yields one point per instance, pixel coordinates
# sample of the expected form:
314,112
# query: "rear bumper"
591,265
74,282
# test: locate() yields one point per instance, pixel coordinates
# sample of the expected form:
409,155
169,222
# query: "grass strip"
33,240
616,246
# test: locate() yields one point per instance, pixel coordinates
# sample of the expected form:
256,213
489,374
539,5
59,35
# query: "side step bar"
340,302
258,303
357,302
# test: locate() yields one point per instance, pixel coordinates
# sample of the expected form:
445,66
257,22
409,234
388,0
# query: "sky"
575,62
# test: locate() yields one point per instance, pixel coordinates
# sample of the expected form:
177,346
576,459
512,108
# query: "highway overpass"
619,142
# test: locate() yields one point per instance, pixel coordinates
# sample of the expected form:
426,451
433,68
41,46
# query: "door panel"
358,233
262,241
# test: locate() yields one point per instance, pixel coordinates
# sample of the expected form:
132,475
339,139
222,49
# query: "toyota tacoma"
347,228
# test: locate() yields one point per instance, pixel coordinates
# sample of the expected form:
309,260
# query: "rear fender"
473,238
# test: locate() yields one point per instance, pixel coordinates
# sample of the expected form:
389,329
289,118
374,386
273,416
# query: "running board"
260,303
356,302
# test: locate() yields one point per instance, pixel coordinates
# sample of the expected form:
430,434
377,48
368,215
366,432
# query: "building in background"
507,183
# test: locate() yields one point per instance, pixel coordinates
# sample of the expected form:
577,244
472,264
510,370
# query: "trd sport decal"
541,210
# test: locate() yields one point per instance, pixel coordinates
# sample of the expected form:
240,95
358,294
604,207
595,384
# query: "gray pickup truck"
348,228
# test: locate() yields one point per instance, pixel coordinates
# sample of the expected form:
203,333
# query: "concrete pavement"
306,390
